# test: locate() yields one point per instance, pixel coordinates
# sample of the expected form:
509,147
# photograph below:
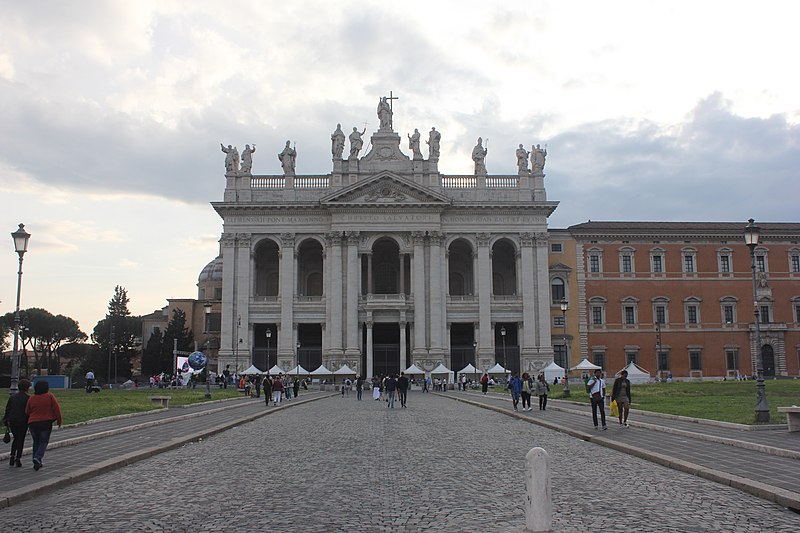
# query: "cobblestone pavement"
341,465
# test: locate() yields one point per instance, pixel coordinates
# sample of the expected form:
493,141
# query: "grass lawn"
77,406
730,401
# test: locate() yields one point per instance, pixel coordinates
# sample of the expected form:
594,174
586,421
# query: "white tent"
296,371
636,374
250,371
413,370
345,371
586,365
498,369
443,370
321,371
469,370
275,370
553,371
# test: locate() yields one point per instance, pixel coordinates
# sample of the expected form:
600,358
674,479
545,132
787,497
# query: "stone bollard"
539,504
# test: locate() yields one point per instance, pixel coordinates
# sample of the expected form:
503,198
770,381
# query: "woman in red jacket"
42,410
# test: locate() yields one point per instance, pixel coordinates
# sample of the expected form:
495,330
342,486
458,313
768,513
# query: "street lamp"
21,238
564,306
269,335
658,343
236,345
207,316
751,234
503,335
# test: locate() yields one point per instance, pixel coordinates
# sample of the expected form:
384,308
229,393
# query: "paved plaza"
336,464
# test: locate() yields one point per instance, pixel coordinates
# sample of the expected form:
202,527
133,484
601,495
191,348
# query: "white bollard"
539,506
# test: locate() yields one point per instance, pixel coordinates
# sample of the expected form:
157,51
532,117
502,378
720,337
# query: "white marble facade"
385,262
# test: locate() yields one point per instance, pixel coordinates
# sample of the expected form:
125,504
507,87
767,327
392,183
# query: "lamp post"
236,346
658,343
751,235
564,306
206,316
269,335
503,335
21,238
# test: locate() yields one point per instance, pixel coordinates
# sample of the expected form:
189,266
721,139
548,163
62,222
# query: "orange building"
677,297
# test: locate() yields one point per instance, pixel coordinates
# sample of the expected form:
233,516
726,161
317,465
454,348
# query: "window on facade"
728,312
597,314
556,247
797,313
688,263
695,362
761,263
627,263
661,314
795,262
218,293
599,358
560,355
557,290
594,263
764,314
630,314
631,357
691,314
724,264
558,321
663,361
658,264
732,359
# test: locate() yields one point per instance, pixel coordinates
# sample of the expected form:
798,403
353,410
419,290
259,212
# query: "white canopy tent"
586,365
250,371
442,370
469,370
636,374
414,370
553,371
275,370
321,371
345,371
498,369
296,371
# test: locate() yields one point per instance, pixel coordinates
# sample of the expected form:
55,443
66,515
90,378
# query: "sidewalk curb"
16,496
778,495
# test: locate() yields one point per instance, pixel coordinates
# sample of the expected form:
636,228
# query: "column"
370,362
229,317
370,285
484,274
436,307
402,273
403,350
419,348
529,304
242,292
287,285
334,284
353,287
542,293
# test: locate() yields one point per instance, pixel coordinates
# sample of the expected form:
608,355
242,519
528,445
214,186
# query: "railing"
267,182
261,298
459,182
461,298
311,182
308,298
323,182
505,182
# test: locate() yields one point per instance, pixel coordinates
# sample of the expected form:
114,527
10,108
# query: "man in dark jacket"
391,388
16,421
402,388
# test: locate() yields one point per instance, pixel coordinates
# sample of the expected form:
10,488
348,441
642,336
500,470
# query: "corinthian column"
419,348
436,307
334,283
285,341
353,286
486,341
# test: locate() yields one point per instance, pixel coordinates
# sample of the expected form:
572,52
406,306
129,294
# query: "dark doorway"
506,347
462,345
265,349
386,349
768,361
309,349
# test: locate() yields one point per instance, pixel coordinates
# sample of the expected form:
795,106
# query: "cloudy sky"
112,114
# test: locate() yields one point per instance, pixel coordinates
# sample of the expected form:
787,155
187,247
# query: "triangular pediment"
560,267
385,189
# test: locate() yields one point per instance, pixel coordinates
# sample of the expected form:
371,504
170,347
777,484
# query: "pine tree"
176,329
117,333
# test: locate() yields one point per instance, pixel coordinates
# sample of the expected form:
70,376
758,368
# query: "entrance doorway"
462,345
768,361
386,349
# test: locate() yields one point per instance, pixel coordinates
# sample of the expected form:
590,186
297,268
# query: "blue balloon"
198,360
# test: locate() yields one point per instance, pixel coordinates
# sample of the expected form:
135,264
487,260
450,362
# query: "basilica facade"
385,262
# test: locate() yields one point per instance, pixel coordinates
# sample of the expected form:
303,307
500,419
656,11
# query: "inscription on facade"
486,219
286,219
391,217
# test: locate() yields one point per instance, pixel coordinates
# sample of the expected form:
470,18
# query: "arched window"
557,290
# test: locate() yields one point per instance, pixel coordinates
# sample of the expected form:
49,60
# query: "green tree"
117,336
42,334
151,355
176,329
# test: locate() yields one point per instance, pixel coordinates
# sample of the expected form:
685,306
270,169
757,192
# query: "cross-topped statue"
385,111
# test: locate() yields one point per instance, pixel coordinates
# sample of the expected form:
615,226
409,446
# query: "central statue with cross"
385,111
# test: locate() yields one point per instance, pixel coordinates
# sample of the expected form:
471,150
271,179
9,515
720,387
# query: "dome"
212,271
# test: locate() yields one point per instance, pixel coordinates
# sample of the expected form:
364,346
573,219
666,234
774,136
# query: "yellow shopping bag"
614,408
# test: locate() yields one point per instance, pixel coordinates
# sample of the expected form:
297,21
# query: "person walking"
89,380
426,384
597,393
621,392
485,383
277,390
390,384
402,389
42,410
527,388
359,387
16,421
258,386
295,387
542,388
376,388
515,385
267,388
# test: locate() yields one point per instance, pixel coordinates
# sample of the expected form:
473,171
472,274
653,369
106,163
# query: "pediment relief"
385,189
560,267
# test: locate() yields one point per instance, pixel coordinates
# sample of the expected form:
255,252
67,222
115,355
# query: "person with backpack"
527,387
515,386
485,384
597,393
542,388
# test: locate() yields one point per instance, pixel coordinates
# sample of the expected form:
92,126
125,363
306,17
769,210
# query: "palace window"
692,314
556,247
689,265
695,360
597,314
626,264
732,358
663,361
630,314
657,261
764,314
558,321
560,355
728,314
631,356
595,263
599,358
629,311
794,263
557,290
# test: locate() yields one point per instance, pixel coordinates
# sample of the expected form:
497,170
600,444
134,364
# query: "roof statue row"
288,157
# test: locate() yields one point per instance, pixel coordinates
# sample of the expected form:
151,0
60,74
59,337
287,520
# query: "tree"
176,329
151,355
117,335
43,333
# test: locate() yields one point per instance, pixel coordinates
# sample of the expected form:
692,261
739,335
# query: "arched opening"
459,265
385,267
309,268
504,268
267,268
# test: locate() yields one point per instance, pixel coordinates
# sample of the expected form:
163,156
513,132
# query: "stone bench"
162,401
792,416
